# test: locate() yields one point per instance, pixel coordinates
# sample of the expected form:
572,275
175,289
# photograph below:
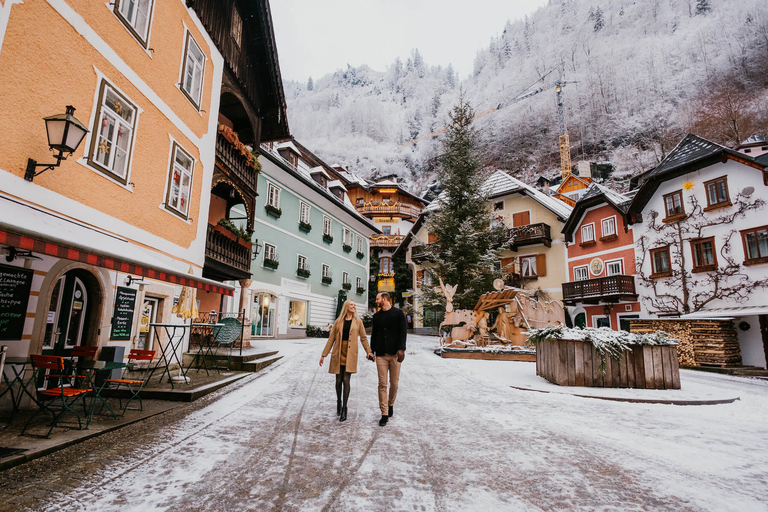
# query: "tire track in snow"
352,472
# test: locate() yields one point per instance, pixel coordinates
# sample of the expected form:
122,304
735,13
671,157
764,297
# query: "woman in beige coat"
343,338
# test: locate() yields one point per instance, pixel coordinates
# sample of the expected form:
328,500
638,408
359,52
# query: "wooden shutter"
419,278
507,261
431,238
521,218
541,265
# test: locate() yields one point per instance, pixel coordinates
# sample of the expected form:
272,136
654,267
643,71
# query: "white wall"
751,342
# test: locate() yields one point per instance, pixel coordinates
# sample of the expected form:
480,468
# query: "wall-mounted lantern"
65,133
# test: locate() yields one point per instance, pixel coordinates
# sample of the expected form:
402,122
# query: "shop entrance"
74,299
263,315
148,315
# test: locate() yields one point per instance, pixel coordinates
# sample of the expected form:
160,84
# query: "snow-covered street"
461,439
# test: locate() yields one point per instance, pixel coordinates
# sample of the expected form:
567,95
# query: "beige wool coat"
334,340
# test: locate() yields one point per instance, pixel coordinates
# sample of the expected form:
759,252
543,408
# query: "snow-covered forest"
647,72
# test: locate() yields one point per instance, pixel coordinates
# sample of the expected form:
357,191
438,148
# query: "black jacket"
389,331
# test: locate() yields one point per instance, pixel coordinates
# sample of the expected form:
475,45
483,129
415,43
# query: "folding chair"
226,336
81,353
134,386
59,399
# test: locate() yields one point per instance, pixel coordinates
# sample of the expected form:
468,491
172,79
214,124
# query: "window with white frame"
358,282
180,181
326,225
345,277
347,237
302,262
136,16
359,244
614,268
273,196
326,270
581,273
112,138
587,233
609,226
270,252
193,72
528,266
304,213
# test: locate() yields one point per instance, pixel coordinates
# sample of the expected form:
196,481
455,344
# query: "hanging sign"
122,318
15,285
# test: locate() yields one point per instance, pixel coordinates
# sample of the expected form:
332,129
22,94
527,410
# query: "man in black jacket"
388,345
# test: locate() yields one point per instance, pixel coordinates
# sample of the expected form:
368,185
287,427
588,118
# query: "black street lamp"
65,133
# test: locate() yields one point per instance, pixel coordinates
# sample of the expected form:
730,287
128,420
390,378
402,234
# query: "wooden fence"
576,363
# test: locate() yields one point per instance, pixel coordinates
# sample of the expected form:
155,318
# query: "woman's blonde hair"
339,323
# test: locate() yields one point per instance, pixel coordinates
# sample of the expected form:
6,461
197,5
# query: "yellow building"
534,257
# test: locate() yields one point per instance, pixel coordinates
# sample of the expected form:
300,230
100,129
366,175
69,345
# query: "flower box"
327,238
327,279
305,226
360,290
272,211
273,264
347,286
360,255
245,243
226,232
303,272
347,248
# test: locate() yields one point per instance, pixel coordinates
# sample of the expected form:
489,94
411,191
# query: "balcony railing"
386,240
388,209
606,289
529,235
418,253
234,161
222,248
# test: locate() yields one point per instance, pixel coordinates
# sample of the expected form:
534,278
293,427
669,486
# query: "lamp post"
65,133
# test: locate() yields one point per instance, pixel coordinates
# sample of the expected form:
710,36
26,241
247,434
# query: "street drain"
7,452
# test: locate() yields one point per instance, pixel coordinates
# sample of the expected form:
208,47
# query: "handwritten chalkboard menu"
15,284
122,319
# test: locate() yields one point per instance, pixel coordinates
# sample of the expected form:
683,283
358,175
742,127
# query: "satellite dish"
498,284
748,191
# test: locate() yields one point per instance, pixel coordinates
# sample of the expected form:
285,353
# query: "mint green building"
310,243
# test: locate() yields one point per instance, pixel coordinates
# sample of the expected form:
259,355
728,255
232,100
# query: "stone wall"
703,342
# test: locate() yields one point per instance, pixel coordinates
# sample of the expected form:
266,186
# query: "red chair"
134,386
54,392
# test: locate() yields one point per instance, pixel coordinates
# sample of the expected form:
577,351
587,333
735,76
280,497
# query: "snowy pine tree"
310,84
703,7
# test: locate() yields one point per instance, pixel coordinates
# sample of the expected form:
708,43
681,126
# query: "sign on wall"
596,266
15,285
122,318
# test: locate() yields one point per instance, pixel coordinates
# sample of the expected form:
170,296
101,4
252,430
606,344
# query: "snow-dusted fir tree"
465,250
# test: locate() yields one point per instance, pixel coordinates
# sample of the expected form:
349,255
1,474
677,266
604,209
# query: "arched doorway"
75,301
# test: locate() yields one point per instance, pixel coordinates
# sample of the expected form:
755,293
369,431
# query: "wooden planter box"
576,363
224,231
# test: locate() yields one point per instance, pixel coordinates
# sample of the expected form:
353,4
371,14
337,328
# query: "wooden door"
67,321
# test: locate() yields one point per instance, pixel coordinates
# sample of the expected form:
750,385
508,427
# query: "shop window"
755,245
297,314
673,206
660,262
112,139
180,181
717,194
704,259
193,71
136,16
581,273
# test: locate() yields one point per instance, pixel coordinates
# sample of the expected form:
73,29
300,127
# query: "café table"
169,351
18,367
90,368
205,333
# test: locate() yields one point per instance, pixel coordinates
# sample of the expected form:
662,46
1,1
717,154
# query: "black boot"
338,407
383,421
343,416
391,411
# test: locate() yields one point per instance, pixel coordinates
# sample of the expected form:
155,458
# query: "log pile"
703,342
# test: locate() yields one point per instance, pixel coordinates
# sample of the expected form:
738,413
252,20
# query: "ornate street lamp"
65,133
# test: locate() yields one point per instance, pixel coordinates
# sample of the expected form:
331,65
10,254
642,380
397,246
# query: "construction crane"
563,142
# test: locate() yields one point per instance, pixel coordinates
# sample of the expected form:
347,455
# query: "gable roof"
595,195
691,154
583,180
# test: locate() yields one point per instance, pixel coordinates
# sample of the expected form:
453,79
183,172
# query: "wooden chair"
54,391
134,386
81,353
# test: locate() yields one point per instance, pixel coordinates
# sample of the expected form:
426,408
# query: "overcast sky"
317,37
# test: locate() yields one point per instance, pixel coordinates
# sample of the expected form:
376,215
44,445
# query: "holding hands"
371,357
321,360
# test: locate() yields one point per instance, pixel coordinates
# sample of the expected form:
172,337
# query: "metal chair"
81,353
227,335
59,399
134,386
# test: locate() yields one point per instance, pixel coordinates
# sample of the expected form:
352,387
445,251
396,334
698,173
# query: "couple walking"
387,350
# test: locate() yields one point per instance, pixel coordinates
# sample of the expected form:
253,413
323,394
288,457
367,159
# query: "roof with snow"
595,195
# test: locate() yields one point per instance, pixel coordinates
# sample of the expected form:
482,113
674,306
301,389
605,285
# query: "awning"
731,312
31,228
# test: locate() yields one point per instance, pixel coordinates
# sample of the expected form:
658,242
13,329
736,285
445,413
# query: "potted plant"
327,238
305,226
360,290
347,286
303,272
272,263
360,255
273,211
347,248
327,279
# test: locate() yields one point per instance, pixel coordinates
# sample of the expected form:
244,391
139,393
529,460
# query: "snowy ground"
461,439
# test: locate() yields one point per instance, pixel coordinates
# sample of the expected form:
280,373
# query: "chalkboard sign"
122,319
15,284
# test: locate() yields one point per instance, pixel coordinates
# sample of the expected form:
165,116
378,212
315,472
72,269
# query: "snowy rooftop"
619,200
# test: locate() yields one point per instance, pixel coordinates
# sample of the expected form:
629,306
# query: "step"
260,364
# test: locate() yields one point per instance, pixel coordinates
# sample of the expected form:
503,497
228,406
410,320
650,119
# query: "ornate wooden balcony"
399,209
419,253
234,164
602,289
227,258
386,240
529,234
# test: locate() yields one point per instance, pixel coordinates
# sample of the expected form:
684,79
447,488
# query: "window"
673,205
112,139
345,278
192,74
360,244
532,266
180,178
136,16
237,26
602,321
297,313
326,225
385,266
660,262
304,213
358,282
580,273
360,201
387,230
717,193
755,245
609,227
302,263
270,256
347,237
587,233
273,196
614,268
499,205
704,254
326,270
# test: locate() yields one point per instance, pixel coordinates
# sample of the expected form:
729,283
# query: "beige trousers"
386,364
